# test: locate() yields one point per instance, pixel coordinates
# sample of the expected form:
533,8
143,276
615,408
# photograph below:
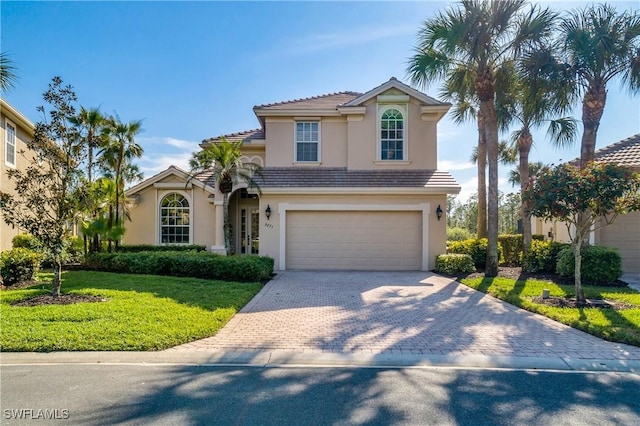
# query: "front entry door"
249,230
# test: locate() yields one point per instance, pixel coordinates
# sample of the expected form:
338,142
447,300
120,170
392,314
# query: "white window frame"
296,141
161,198
382,108
10,147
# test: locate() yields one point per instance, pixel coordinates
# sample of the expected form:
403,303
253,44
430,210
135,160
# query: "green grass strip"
142,313
621,326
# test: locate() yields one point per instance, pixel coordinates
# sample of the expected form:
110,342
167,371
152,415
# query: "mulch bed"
563,302
63,299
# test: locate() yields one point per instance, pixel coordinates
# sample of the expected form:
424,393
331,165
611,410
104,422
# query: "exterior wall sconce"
267,211
439,212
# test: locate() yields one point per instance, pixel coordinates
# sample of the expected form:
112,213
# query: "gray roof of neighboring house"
296,177
625,152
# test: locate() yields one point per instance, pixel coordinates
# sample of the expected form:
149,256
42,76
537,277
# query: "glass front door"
249,230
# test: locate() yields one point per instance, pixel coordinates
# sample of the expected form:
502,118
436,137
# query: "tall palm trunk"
485,88
525,141
227,224
592,109
482,183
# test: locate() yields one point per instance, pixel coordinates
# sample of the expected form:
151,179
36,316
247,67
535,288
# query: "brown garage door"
357,240
624,234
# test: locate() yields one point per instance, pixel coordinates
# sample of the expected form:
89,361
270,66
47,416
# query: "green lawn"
610,324
142,312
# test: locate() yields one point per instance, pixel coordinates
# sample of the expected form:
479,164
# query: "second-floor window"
391,135
307,141
10,144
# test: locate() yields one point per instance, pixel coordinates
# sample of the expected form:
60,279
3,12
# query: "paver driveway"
404,312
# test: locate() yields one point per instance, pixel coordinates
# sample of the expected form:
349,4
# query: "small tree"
223,160
598,193
46,190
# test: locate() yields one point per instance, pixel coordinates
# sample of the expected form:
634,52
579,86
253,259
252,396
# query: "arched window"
174,220
391,135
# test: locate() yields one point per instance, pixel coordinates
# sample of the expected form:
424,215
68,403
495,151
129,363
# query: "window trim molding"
295,140
160,196
404,110
8,122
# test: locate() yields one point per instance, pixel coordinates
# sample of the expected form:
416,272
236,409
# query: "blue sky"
193,70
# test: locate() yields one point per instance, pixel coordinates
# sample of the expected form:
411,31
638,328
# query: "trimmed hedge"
184,264
476,248
600,265
453,263
512,248
18,264
543,256
136,248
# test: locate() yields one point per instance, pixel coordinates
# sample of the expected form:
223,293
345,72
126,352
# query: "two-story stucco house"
350,181
15,131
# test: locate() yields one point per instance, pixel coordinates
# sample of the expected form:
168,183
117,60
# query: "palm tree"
116,157
534,169
459,90
223,161
598,46
8,76
89,123
480,37
535,103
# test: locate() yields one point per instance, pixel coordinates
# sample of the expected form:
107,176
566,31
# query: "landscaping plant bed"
63,299
566,302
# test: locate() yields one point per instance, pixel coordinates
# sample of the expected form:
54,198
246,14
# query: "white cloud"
334,40
160,152
452,165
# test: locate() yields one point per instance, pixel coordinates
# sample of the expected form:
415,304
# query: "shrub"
600,265
512,247
458,234
18,264
135,248
476,248
27,241
538,237
72,250
453,264
184,264
543,256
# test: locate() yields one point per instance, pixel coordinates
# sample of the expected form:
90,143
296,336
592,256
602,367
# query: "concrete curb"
277,358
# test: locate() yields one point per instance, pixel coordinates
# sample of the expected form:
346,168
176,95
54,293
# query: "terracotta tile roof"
341,177
247,136
625,152
331,100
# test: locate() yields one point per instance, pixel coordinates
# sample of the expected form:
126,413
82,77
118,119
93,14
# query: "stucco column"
219,241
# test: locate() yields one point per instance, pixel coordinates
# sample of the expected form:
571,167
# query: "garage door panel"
354,240
624,234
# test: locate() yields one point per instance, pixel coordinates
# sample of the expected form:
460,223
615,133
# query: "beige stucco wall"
24,132
144,226
270,229
542,227
353,141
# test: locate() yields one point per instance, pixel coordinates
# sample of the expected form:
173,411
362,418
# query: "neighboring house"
16,131
350,181
624,232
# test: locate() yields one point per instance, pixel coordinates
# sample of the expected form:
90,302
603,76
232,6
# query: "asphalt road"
90,394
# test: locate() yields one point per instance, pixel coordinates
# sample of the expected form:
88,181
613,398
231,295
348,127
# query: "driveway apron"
396,313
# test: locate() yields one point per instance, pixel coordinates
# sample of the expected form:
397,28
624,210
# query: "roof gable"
170,171
393,83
